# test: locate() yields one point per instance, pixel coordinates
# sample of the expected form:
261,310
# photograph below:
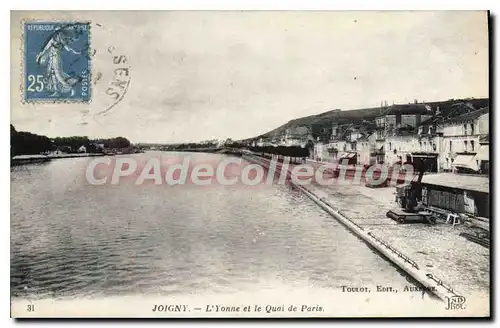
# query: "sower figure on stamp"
58,81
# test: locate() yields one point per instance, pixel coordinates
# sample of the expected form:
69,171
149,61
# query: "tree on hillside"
26,143
70,144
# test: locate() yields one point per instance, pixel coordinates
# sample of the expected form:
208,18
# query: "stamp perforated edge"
23,68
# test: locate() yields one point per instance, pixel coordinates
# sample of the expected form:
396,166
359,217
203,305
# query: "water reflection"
69,238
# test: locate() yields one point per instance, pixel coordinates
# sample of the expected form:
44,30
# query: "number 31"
35,84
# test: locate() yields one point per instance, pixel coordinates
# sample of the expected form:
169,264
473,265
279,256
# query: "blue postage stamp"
57,61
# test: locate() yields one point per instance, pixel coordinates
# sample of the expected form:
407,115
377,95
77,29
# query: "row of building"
457,140
299,136
453,139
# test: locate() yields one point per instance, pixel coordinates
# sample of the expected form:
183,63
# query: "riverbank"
438,250
264,245
29,159
198,150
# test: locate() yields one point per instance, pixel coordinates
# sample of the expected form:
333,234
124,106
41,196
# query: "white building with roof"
460,144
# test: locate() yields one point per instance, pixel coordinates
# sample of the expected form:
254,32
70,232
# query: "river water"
72,239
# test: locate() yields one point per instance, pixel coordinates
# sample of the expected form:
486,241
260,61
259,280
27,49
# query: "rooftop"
458,181
457,116
470,116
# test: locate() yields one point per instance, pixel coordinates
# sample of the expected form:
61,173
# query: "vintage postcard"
250,164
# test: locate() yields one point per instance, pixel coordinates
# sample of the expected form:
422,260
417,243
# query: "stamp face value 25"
56,61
